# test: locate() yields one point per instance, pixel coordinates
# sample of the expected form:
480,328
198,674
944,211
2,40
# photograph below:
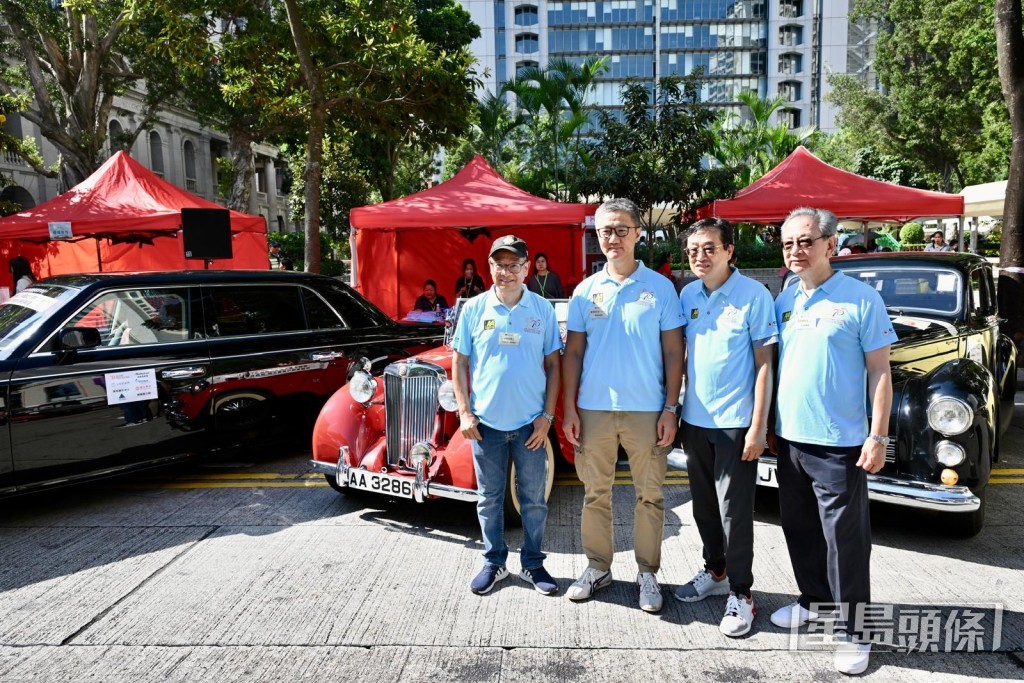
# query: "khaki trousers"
601,432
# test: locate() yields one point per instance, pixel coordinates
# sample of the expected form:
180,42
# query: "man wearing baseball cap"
507,341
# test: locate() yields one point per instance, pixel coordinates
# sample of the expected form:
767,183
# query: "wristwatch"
671,409
884,440
549,417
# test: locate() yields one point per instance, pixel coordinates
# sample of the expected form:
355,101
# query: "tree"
1010,41
73,59
939,105
654,155
554,99
755,146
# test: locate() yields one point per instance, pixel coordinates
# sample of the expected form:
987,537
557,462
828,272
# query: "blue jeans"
490,460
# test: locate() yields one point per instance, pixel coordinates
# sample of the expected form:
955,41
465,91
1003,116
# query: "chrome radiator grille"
410,405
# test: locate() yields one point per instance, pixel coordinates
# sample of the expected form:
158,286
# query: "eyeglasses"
512,268
803,244
707,249
621,231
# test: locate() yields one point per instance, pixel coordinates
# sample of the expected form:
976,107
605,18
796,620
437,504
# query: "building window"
189,152
790,64
791,9
757,9
525,64
156,153
759,63
790,118
527,43
790,90
115,136
791,36
526,16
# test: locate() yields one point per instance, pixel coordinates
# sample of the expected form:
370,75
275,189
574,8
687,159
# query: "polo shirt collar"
641,274
492,297
727,286
828,286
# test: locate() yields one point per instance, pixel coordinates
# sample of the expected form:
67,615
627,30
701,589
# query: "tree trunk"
1010,46
315,140
312,176
244,164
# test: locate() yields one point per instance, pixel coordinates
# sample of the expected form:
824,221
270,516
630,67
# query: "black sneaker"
540,579
488,576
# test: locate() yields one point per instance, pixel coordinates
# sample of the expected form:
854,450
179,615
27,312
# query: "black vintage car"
954,378
101,374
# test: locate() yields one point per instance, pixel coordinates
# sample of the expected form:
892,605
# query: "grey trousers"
722,487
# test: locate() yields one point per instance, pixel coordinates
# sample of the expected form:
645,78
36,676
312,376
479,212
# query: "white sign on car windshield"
34,299
945,282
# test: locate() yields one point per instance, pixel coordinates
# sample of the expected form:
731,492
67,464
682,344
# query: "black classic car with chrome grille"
954,378
111,372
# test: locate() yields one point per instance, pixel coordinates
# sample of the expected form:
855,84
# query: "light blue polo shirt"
722,329
506,350
623,367
822,380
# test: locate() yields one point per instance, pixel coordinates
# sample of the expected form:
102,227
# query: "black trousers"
823,500
722,487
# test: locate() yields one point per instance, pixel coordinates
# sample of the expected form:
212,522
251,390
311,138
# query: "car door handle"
182,373
326,355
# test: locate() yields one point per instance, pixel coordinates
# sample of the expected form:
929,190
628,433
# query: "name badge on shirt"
805,321
508,339
597,313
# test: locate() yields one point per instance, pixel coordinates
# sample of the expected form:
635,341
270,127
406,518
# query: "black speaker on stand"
206,234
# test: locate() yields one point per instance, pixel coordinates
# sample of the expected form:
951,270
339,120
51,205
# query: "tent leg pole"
99,260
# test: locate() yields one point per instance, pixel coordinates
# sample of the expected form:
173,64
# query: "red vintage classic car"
394,430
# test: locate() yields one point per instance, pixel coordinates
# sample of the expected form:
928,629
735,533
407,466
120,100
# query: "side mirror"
74,338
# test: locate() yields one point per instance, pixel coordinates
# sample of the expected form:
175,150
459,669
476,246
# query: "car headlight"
362,386
949,454
950,416
446,396
421,451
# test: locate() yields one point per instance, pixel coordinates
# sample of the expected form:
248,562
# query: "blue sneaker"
488,576
540,579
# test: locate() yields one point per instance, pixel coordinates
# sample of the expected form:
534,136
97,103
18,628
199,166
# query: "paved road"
257,571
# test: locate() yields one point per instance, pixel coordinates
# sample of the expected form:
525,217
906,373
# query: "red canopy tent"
399,244
123,217
803,179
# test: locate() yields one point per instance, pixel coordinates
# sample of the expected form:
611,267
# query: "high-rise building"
771,47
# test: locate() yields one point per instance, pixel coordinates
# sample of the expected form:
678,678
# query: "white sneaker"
792,615
650,592
739,616
591,581
701,586
852,656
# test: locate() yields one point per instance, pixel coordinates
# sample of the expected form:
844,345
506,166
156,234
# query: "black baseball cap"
510,243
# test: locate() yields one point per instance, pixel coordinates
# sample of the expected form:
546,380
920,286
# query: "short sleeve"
553,337
761,322
671,310
577,312
875,326
682,306
462,340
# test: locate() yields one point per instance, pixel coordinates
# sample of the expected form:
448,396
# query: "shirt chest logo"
646,299
694,313
532,325
786,316
488,324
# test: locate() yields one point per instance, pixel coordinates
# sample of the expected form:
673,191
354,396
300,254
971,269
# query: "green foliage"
758,255
343,185
334,249
656,159
554,100
941,107
912,233
754,146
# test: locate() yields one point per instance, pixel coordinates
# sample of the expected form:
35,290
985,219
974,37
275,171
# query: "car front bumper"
884,489
422,487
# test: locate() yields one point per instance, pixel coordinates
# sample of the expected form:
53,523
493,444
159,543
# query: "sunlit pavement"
256,570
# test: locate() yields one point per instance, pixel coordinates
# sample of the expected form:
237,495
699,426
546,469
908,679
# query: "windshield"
26,310
907,289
